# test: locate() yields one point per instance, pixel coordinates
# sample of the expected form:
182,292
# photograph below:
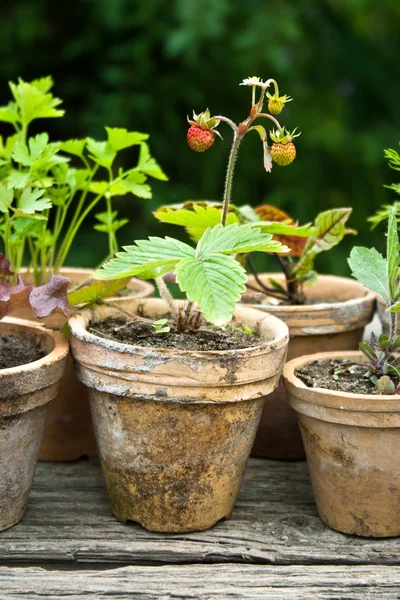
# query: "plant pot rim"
79,322
298,308
60,346
303,390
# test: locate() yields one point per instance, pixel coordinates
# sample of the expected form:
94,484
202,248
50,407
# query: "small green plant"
381,275
161,326
208,273
48,189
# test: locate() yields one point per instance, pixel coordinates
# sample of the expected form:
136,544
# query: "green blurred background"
146,64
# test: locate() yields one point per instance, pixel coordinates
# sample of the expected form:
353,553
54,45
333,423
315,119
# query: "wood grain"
68,523
206,582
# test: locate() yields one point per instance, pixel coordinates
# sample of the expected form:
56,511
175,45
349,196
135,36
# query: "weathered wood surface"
68,524
206,582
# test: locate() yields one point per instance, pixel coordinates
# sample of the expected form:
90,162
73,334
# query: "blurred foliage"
145,64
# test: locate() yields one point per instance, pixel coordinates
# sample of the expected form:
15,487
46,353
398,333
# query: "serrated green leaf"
370,268
9,114
149,165
393,255
101,152
146,259
17,180
195,219
25,155
7,148
215,282
32,201
96,291
330,226
34,103
6,198
134,184
120,138
75,147
237,239
277,228
43,84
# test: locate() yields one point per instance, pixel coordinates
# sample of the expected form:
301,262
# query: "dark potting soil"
138,333
15,351
320,375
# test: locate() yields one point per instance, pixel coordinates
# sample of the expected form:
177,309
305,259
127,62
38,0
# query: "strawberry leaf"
237,239
215,282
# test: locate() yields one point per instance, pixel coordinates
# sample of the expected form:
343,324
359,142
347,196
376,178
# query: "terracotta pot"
25,392
68,433
352,444
318,327
175,428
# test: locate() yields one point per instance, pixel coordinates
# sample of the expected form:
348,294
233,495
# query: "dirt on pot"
321,375
16,351
139,333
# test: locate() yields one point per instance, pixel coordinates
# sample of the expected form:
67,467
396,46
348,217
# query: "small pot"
317,327
25,392
352,443
174,427
68,433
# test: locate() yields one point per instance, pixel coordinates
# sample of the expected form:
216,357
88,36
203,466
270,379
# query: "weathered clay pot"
68,434
25,392
352,444
318,327
175,428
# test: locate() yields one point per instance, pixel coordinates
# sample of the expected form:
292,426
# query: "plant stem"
229,177
282,294
267,116
291,283
127,313
392,328
166,295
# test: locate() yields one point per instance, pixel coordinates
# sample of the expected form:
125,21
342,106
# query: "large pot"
175,428
335,324
68,433
352,443
25,392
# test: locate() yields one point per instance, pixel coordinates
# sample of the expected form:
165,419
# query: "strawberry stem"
229,176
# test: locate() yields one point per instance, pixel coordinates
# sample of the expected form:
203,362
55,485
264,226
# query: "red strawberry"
283,151
202,132
200,139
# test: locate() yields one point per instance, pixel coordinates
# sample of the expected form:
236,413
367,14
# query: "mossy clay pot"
25,393
175,427
352,444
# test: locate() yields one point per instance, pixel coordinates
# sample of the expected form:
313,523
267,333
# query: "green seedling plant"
161,326
209,273
382,214
380,275
48,189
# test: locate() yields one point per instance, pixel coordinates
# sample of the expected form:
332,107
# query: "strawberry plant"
304,242
209,273
48,189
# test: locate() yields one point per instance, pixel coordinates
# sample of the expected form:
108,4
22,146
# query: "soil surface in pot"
138,333
16,351
321,375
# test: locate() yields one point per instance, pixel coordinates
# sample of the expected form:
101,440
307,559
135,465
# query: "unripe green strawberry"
283,151
200,139
283,154
202,132
276,103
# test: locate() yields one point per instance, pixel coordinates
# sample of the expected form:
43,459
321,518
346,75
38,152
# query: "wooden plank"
229,582
275,521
